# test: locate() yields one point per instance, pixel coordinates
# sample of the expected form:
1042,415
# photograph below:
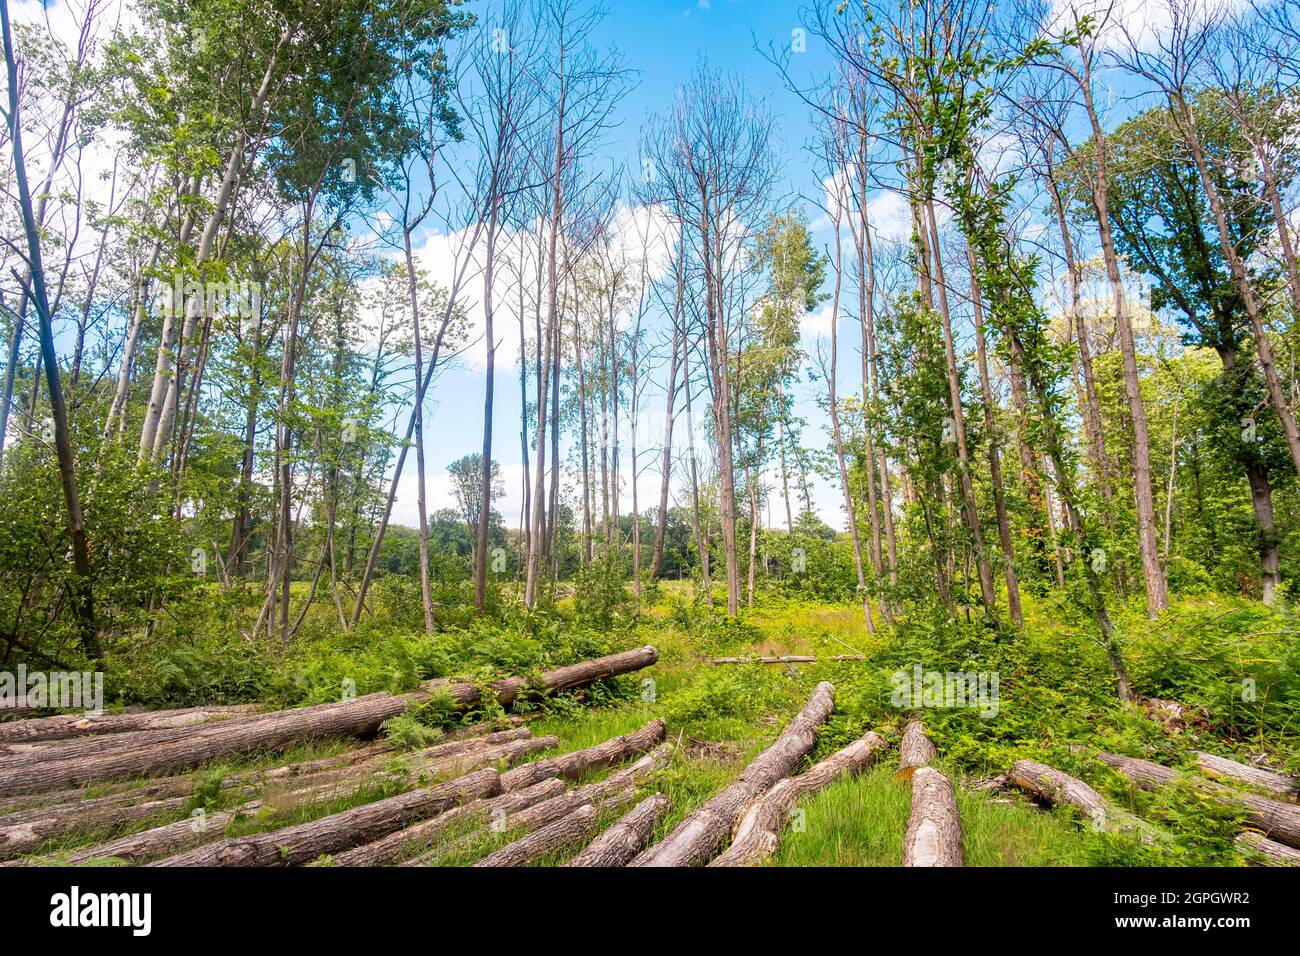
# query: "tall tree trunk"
995,458
1157,594
82,593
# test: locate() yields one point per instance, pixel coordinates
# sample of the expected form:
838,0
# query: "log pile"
142,752
1276,820
45,762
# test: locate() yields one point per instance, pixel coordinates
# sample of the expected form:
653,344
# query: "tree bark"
701,834
759,832
357,717
627,837
933,825
292,846
915,750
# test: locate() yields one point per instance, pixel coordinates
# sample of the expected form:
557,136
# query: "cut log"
791,659
168,838
759,832
1259,850
417,837
577,762
1230,771
627,837
451,758
357,717
933,825
1058,789
557,835
76,725
698,837
600,793
1277,821
915,750
294,845
183,784
22,830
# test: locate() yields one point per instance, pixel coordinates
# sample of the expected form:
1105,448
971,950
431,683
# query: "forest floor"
1054,699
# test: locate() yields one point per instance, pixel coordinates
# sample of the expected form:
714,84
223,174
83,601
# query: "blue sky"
663,43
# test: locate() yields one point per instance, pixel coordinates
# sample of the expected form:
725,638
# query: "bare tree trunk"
995,460
665,468
1157,595
83,596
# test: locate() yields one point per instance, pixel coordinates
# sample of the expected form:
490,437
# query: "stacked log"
557,835
573,764
158,751
75,725
616,787
627,837
290,846
1276,820
699,836
759,832
399,844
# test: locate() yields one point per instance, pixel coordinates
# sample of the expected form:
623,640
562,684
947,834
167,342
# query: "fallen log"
1060,789
564,832
76,725
357,717
290,846
914,751
933,824
577,762
699,836
1230,771
563,803
790,659
22,830
1259,850
1277,821
395,845
168,838
759,832
183,783
627,837
174,837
